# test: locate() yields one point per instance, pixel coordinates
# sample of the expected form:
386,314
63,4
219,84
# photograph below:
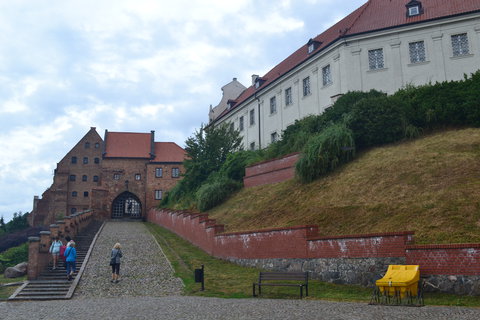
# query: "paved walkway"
149,290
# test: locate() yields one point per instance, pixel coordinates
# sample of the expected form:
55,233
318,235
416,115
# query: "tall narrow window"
87,145
274,137
85,160
460,44
84,178
273,105
375,59
252,117
240,124
97,160
175,172
138,177
288,96
158,172
85,194
417,51
306,86
74,160
95,178
326,75
158,194
74,193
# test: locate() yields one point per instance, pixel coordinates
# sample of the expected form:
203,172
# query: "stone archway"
126,205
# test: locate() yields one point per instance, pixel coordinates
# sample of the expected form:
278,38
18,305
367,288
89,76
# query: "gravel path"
149,290
144,270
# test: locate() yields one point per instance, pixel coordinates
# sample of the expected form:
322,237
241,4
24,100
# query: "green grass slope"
430,186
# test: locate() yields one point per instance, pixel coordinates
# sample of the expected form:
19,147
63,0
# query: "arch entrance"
126,205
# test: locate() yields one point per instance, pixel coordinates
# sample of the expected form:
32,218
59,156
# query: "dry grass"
430,186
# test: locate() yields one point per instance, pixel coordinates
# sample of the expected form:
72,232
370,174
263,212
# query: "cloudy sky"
129,65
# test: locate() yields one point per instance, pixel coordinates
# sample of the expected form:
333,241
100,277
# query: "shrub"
13,256
234,167
324,152
212,193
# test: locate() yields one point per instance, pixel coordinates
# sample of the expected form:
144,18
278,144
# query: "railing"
38,247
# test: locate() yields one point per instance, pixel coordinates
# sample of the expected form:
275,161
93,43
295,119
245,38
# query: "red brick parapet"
271,171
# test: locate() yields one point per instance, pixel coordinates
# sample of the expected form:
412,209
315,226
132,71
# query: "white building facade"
408,42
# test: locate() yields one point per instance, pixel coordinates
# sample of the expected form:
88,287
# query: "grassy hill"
430,186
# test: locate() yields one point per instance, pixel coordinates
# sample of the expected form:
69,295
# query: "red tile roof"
372,16
168,152
128,145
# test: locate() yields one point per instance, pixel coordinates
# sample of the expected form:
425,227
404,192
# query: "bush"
324,152
13,256
375,121
234,167
212,193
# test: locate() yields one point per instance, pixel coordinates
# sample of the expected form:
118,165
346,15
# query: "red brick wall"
272,171
380,245
453,259
302,242
164,183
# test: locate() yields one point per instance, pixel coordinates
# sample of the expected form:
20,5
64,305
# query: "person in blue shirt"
70,259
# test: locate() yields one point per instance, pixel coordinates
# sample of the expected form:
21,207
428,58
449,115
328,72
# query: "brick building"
120,176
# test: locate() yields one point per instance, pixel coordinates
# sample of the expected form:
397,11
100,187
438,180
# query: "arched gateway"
126,205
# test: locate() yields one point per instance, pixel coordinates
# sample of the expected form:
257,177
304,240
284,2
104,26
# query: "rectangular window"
97,145
240,124
74,160
95,178
97,160
413,11
85,194
73,177
417,51
138,176
74,193
273,105
274,137
252,117
175,172
158,194
116,176
306,86
252,146
375,59
85,160
87,145
460,45
326,75
158,172
84,178
288,96
73,210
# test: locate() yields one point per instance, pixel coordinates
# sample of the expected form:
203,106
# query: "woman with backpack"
115,262
55,251
70,259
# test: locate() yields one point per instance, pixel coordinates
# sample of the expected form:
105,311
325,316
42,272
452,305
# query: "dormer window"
230,104
312,45
258,82
414,8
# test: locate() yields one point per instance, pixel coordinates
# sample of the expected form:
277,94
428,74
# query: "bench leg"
301,292
254,290
306,290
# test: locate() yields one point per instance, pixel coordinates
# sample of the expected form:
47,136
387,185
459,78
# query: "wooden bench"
276,279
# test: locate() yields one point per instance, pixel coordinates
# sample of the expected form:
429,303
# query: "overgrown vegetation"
13,256
227,280
18,222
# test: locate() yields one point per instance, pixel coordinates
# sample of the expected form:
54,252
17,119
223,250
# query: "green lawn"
7,291
228,280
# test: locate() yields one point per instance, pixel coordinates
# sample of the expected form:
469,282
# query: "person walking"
70,259
55,251
115,256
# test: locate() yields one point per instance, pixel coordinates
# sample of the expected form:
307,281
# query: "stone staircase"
53,284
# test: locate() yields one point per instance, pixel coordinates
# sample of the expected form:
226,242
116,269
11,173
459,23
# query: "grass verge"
228,280
7,291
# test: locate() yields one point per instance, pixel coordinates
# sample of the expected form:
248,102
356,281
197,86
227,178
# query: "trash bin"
400,280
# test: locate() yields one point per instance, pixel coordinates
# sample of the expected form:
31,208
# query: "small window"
97,145
73,177
326,75
158,172
158,194
85,194
73,210
74,193
252,117
87,145
288,96
417,51
460,44
240,123
138,177
96,160
274,137
273,105
74,160
175,172
311,47
306,86
414,8
252,146
116,176
95,178
413,11
84,177
85,160
375,59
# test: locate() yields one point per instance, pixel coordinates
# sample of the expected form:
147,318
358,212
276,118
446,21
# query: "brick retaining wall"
271,171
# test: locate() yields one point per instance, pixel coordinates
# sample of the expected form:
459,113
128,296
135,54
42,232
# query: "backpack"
62,251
